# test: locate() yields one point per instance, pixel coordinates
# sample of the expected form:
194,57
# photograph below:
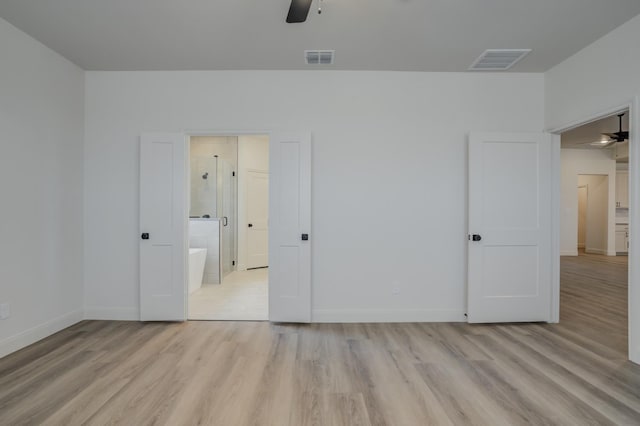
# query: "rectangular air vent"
319,57
498,59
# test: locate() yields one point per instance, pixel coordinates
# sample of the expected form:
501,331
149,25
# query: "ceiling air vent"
319,57
498,59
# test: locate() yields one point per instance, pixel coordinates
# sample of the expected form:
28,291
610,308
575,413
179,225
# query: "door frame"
633,106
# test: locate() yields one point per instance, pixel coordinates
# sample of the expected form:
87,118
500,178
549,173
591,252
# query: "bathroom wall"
203,187
41,184
204,193
225,147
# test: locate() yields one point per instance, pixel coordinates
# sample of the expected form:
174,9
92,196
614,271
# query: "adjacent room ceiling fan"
619,136
299,10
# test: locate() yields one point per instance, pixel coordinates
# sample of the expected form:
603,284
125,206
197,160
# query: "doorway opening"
594,233
228,232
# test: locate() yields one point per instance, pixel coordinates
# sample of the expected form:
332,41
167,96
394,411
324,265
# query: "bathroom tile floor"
242,296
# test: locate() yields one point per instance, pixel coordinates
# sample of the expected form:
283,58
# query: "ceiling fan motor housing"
620,135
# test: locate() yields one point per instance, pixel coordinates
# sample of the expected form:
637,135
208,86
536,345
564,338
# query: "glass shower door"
227,204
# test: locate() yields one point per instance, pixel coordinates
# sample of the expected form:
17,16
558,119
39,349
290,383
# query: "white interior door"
162,227
582,216
289,227
257,219
509,273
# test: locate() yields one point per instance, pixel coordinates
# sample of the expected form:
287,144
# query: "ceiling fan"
619,136
298,11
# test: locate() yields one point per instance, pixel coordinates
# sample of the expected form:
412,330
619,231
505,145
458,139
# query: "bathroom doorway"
228,227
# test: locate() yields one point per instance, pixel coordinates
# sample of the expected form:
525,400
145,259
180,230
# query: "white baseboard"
39,332
387,315
595,251
568,252
113,314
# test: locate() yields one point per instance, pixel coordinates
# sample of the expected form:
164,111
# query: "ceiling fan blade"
298,11
598,144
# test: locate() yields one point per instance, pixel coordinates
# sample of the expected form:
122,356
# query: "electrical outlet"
5,311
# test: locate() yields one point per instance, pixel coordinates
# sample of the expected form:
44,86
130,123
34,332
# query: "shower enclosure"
213,198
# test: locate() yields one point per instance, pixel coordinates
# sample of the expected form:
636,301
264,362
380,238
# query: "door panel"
290,218
163,218
257,218
509,273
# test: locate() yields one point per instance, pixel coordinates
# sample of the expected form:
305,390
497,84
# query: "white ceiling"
582,136
411,35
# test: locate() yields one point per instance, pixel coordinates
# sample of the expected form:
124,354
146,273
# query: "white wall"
253,154
41,219
597,220
603,76
389,174
575,162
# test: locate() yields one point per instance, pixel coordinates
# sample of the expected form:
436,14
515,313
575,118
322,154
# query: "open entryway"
594,233
201,197
228,227
534,255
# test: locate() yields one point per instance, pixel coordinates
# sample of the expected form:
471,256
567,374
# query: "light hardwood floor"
255,373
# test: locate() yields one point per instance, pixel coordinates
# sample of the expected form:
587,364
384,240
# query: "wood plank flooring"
255,373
